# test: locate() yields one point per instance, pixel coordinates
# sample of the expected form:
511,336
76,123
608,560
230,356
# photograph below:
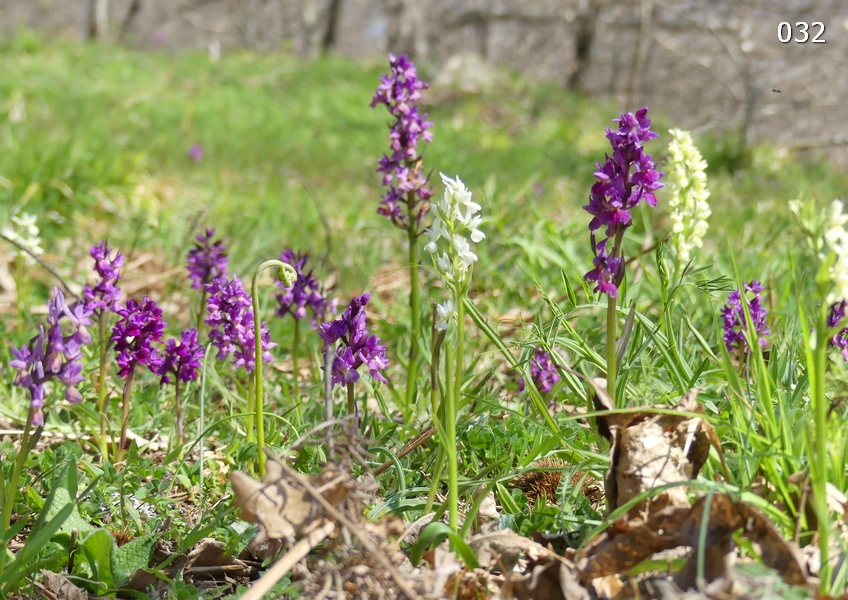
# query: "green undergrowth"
94,140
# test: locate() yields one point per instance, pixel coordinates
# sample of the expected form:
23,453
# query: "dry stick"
329,355
43,264
333,512
408,447
287,562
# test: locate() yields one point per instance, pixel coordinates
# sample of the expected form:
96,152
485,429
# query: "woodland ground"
95,141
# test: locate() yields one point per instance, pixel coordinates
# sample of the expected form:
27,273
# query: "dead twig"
298,552
408,447
50,269
362,535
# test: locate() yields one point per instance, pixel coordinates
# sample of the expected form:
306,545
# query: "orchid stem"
289,275
125,416
415,310
101,387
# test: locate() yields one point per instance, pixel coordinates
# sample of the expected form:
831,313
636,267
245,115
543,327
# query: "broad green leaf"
61,499
434,534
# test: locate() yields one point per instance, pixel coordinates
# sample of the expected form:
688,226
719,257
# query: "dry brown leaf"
284,508
61,587
650,450
629,541
550,579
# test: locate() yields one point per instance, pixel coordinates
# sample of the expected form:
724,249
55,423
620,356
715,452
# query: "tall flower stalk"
181,365
287,274
102,299
686,181
139,326
354,347
456,222
626,179
235,329
406,200
52,358
832,288
735,324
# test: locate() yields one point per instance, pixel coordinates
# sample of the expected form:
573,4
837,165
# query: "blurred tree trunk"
331,31
406,28
586,25
251,23
644,39
129,19
98,19
309,30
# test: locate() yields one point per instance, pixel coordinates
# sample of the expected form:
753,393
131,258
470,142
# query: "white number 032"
802,32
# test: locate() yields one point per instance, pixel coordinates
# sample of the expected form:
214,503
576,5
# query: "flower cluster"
140,324
623,181
687,186
207,260
400,92
733,315
444,313
836,238
305,292
106,294
456,217
182,359
543,371
195,152
835,315
24,231
52,354
231,318
357,347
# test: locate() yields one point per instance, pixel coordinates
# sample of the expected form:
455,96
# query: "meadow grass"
95,140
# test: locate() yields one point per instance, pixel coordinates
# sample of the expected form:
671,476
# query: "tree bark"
584,38
406,31
98,19
129,19
331,31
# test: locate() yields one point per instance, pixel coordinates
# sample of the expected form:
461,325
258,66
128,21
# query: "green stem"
259,396
101,387
437,339
612,367
12,487
351,399
201,310
179,409
819,472
125,416
434,484
612,359
250,416
449,444
9,489
451,410
295,348
415,310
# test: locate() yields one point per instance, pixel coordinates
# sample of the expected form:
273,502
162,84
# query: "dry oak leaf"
650,449
629,541
284,508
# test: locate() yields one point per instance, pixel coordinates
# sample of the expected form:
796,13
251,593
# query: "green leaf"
134,555
572,297
100,550
62,498
433,535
